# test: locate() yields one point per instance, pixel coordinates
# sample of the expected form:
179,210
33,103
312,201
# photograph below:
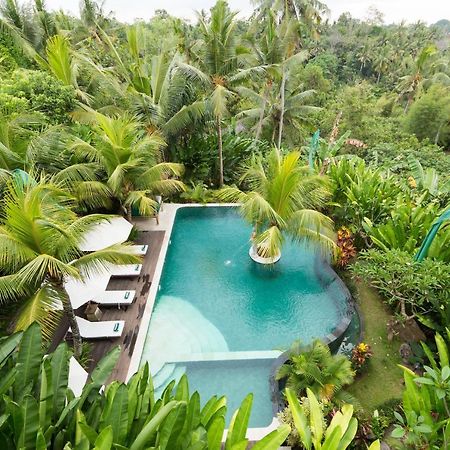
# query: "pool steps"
227,356
182,331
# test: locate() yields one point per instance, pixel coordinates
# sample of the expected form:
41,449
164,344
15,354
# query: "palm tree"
365,55
279,115
130,160
282,199
61,61
218,60
383,60
275,51
18,22
316,368
39,250
410,85
308,13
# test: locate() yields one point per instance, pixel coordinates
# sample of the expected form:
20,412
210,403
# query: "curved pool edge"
166,222
332,339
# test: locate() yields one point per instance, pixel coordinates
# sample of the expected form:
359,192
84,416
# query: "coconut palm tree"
281,101
279,115
217,62
308,13
383,60
410,85
316,368
17,21
39,250
283,199
130,162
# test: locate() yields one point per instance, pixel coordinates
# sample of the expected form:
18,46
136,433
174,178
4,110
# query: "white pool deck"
166,221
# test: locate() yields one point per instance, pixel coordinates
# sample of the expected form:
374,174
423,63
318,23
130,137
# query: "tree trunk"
261,115
436,139
219,136
129,214
280,128
70,313
378,78
408,102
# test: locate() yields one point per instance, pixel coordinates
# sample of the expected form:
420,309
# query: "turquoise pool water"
219,316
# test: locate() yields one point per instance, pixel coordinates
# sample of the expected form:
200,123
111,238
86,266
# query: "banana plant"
311,427
38,410
426,416
428,179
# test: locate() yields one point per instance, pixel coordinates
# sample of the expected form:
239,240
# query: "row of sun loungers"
112,328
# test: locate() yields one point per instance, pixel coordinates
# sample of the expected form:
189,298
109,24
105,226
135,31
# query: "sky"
428,11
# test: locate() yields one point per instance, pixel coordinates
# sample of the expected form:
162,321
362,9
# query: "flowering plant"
347,249
361,354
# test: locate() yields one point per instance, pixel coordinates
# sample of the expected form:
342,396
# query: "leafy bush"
361,192
406,227
428,116
42,92
394,156
415,289
200,159
316,368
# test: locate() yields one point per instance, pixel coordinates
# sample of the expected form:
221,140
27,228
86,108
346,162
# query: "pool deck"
132,315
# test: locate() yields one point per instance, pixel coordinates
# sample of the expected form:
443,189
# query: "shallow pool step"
178,328
227,356
178,372
163,375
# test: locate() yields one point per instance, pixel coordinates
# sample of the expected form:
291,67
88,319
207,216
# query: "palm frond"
43,307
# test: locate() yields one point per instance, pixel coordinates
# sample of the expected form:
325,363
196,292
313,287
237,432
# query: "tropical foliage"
107,116
40,410
317,369
39,240
283,198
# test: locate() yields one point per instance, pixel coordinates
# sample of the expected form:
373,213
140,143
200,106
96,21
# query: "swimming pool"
224,319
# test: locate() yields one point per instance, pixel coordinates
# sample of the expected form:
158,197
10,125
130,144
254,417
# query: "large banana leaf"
29,358
239,423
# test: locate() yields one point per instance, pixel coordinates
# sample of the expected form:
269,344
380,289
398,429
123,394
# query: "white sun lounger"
110,298
100,330
126,270
139,249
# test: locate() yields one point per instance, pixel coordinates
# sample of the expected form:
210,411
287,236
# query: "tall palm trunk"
219,136
280,128
261,114
70,313
436,139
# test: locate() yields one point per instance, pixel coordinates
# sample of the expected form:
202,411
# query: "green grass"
383,379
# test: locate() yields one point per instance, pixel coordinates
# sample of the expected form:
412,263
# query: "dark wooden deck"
132,315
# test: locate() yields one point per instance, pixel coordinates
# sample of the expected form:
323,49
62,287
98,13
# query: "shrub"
42,92
428,116
417,289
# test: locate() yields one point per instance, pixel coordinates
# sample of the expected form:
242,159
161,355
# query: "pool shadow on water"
265,272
